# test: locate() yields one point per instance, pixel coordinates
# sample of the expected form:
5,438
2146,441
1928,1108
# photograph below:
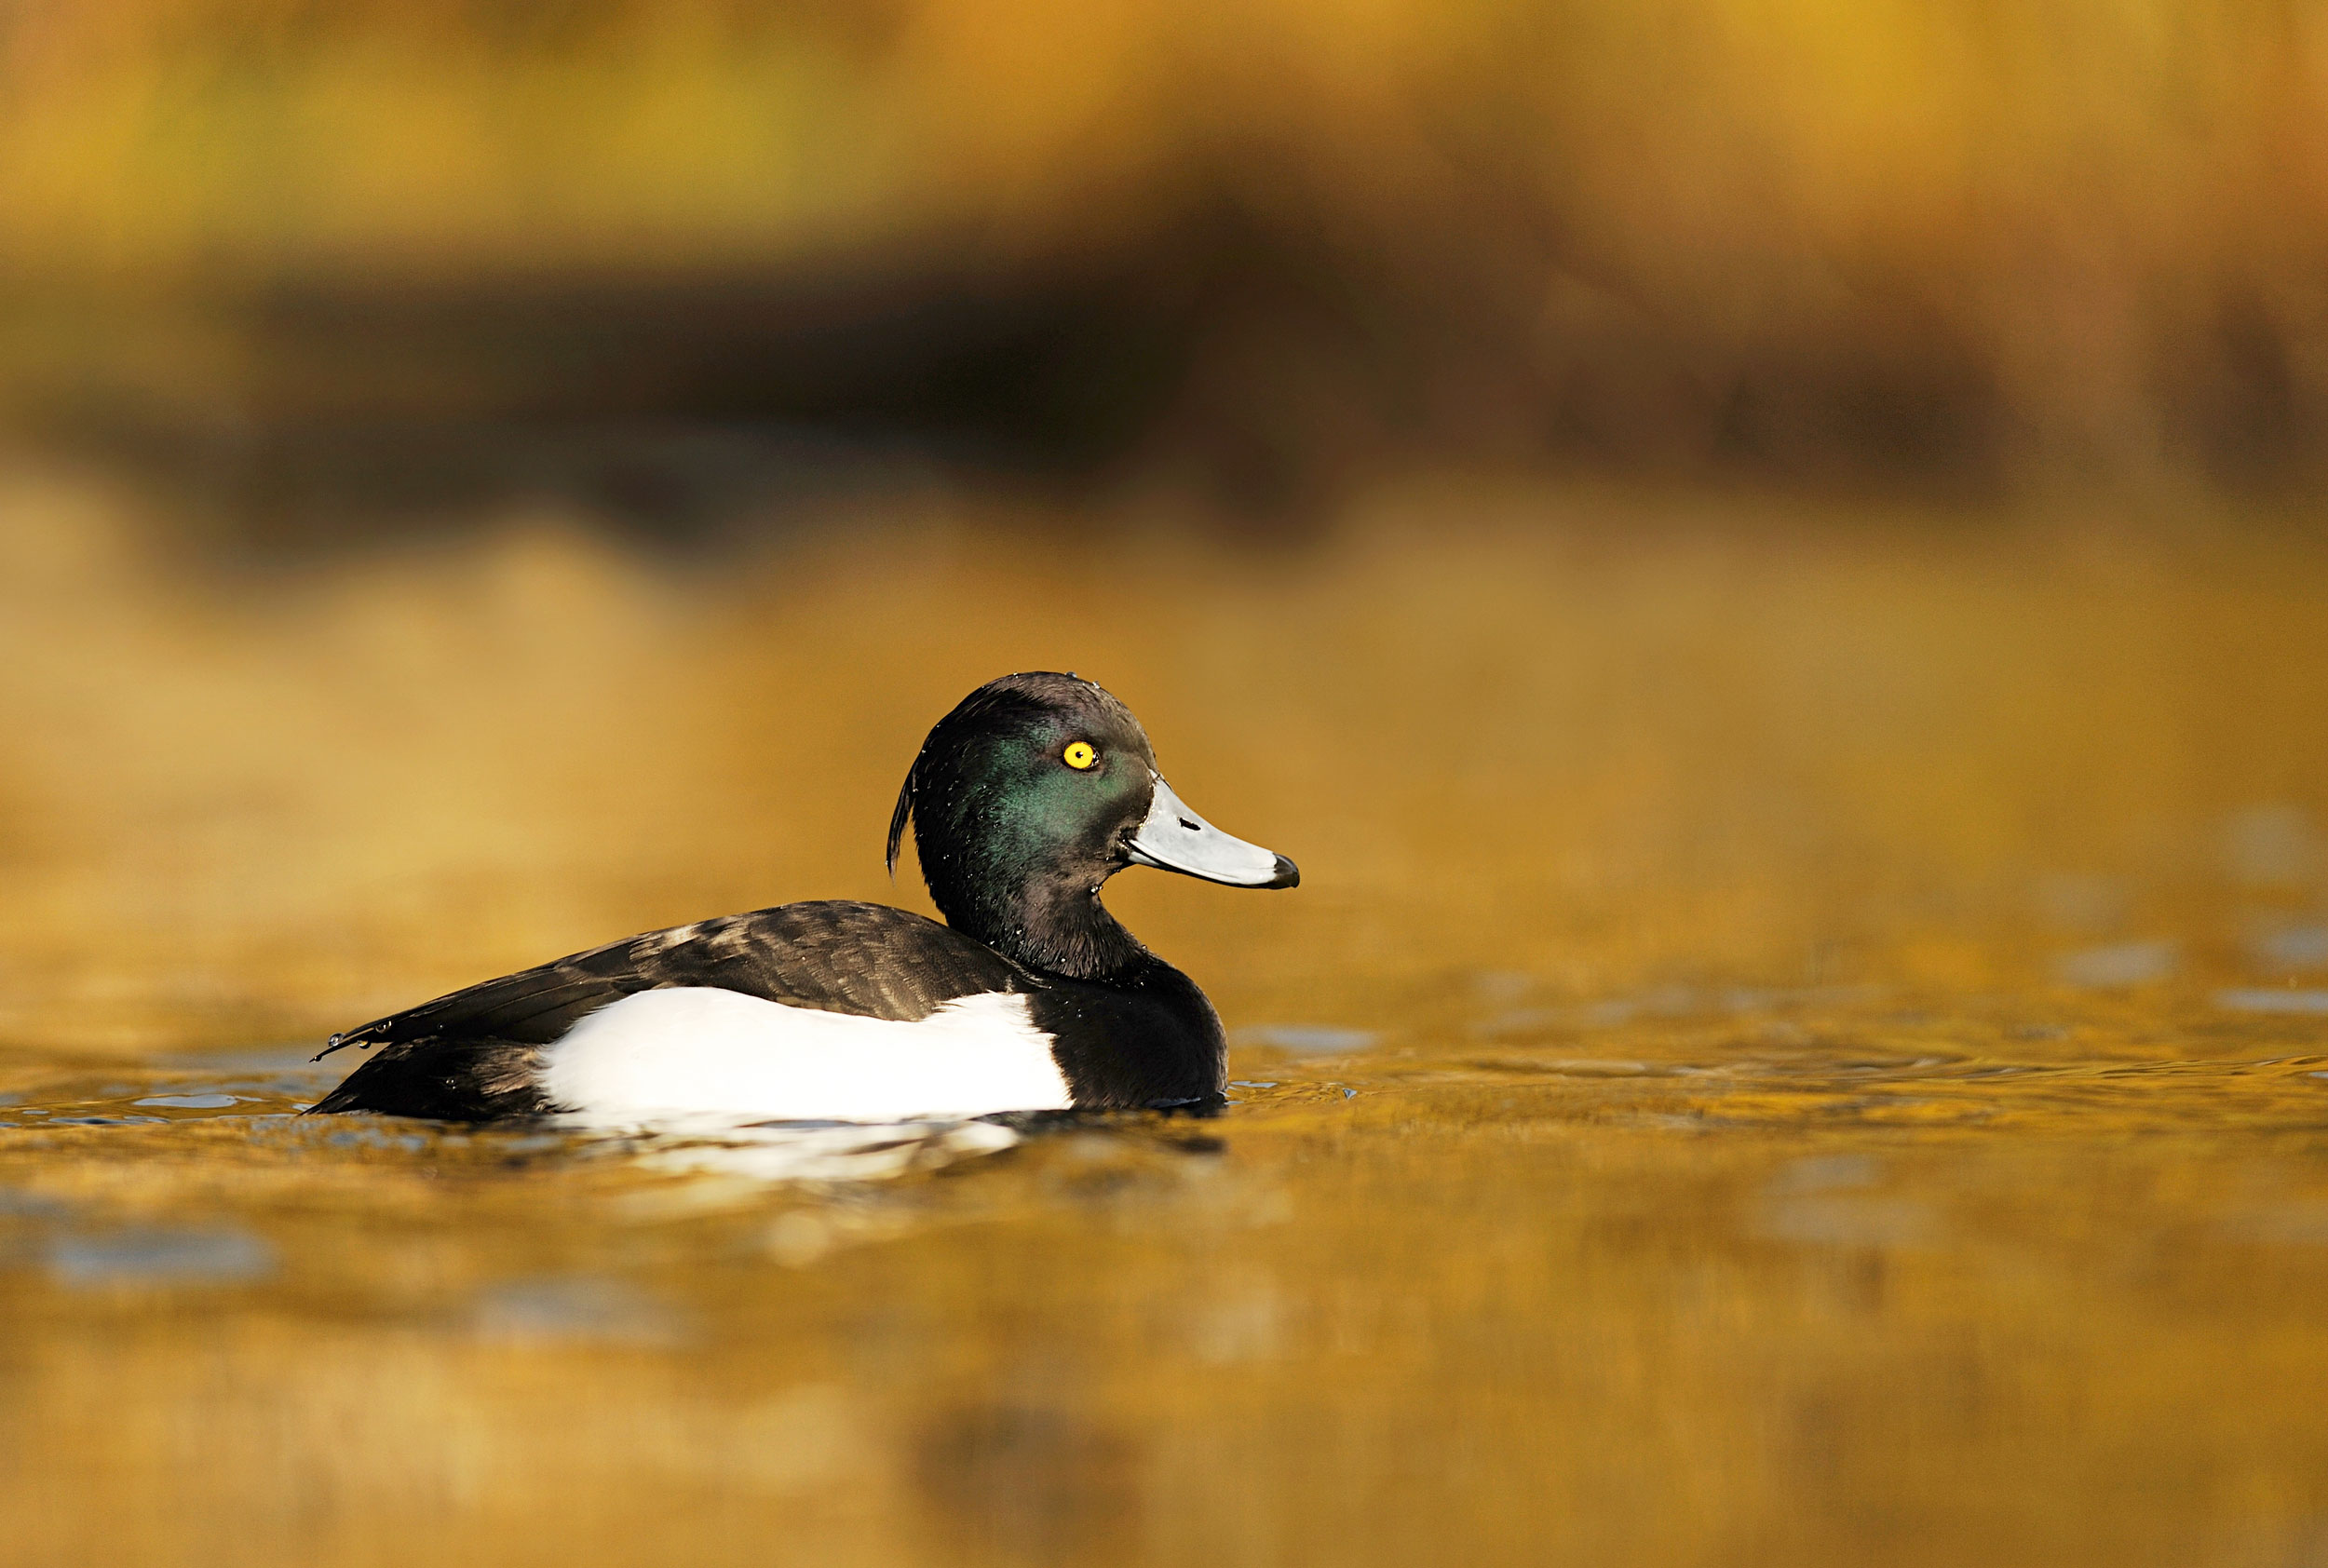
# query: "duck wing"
476,1054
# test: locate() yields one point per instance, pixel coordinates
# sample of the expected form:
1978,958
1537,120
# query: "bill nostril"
1190,826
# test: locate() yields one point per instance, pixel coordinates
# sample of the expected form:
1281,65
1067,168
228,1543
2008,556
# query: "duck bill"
1173,838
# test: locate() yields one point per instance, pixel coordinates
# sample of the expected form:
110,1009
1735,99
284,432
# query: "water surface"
1802,1040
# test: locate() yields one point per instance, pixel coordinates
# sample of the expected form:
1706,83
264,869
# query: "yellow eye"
1079,754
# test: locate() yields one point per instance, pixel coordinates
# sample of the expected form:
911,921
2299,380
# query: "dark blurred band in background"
334,266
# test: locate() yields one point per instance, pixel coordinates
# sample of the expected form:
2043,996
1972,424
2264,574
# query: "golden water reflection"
1798,1043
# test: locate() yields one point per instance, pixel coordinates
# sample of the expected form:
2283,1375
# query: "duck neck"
1056,925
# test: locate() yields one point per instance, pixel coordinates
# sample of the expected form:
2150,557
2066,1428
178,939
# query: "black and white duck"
1023,801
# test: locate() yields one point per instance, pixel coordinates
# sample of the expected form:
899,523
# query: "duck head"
1034,791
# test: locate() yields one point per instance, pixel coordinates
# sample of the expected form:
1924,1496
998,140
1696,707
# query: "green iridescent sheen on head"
1009,832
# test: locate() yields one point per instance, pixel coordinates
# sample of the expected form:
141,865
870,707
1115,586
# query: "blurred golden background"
674,259
1764,556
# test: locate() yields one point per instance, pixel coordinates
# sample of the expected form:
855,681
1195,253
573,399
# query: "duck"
1023,801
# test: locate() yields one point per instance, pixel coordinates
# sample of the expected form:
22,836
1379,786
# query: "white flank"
696,1052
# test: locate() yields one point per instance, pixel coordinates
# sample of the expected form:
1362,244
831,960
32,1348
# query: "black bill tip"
1288,874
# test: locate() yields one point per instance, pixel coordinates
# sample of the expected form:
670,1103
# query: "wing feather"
469,1050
